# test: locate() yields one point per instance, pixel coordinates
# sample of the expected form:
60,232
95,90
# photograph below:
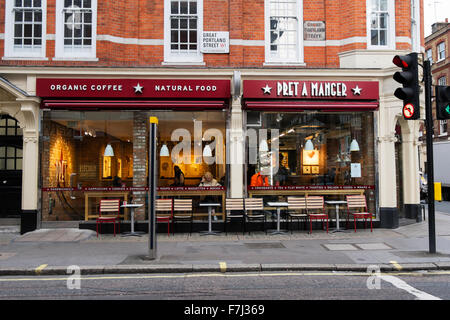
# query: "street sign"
408,111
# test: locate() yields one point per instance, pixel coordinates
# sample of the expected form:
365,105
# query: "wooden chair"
297,210
182,211
164,212
237,205
316,210
255,204
109,211
355,203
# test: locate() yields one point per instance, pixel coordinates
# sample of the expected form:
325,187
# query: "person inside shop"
259,180
209,181
331,175
282,173
179,177
117,182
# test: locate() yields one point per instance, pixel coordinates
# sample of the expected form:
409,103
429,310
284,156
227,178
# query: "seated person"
208,181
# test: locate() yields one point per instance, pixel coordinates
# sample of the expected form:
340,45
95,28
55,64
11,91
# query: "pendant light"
164,152
109,152
309,145
263,146
354,146
207,151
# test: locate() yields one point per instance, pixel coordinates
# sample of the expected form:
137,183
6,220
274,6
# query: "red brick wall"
138,19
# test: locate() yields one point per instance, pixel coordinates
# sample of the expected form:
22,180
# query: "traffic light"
409,78
443,102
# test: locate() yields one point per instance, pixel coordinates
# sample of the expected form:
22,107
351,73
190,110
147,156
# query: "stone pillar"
236,151
30,218
387,183
411,187
140,152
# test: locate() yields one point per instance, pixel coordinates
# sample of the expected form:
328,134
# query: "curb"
199,268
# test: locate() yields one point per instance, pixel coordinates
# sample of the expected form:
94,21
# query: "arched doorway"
11,154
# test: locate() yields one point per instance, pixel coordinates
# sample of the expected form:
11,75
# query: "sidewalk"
51,251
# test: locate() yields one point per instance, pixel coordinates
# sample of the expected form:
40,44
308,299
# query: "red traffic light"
402,61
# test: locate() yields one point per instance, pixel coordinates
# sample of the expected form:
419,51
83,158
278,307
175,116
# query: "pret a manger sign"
132,88
272,89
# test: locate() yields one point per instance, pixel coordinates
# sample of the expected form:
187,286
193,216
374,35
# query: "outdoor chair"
316,210
234,210
164,212
358,203
254,211
297,210
109,211
182,211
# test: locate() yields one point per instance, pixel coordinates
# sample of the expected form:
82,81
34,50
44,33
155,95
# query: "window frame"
429,56
439,46
390,33
60,52
9,51
270,60
183,58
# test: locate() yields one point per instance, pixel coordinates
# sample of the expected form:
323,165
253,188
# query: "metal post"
152,181
430,170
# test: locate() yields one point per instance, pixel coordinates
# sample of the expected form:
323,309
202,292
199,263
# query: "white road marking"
404,286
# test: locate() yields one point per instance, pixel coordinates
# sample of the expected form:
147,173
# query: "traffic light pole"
430,169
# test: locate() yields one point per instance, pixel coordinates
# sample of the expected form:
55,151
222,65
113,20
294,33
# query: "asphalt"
54,250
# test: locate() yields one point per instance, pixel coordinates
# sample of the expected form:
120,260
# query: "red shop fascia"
297,96
116,94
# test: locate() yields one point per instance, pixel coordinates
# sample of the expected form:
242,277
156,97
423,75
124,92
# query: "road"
442,206
232,286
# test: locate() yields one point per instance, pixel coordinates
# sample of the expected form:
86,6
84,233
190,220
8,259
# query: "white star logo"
266,89
357,91
138,88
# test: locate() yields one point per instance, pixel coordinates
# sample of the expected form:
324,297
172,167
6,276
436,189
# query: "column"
236,150
140,147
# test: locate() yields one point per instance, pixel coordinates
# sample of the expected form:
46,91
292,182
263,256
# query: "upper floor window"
25,28
182,29
76,22
441,51
381,24
429,53
9,126
443,127
442,81
284,31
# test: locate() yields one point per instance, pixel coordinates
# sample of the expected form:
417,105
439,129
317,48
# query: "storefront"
313,138
94,141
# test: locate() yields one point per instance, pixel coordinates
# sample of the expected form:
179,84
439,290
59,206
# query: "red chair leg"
354,220
96,227
310,226
327,224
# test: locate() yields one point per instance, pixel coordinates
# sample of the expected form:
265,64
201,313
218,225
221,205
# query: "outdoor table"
210,205
132,206
278,205
337,203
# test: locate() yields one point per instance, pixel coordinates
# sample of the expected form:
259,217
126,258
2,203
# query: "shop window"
321,149
75,163
76,22
25,22
182,29
381,24
284,31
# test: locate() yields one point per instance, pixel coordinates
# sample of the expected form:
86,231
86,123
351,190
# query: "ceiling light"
207,151
164,152
109,152
263,146
309,145
354,146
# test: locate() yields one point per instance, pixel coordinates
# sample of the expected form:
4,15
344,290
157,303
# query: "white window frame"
443,128
299,59
429,55
415,25
442,81
10,52
60,52
441,46
194,58
390,41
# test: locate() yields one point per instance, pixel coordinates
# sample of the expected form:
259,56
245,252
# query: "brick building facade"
335,43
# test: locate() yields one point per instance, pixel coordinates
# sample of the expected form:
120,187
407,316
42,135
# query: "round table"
132,206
